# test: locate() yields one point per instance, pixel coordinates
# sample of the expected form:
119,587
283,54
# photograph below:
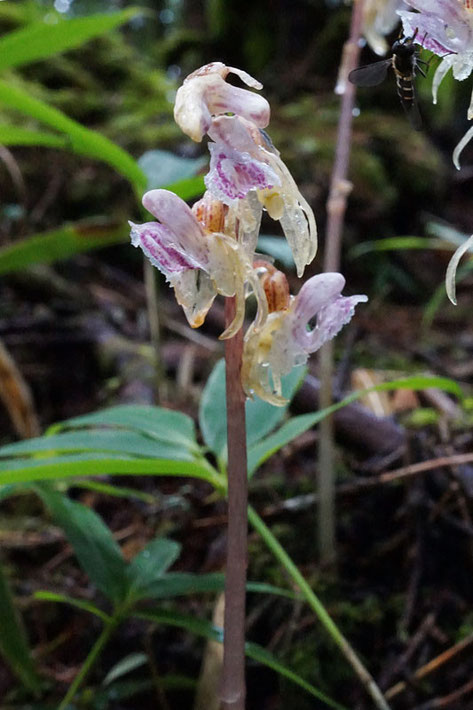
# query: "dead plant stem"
336,206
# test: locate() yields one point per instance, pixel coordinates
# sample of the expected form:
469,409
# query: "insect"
405,62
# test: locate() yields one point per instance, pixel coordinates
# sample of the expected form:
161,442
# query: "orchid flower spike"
205,93
290,334
445,27
243,161
198,259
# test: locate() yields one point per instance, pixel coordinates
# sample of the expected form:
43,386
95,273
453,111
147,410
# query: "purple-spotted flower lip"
205,94
320,297
243,159
289,336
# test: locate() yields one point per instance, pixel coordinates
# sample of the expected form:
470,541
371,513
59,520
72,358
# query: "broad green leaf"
278,248
94,545
13,643
156,422
163,168
124,666
188,188
261,417
177,584
81,140
296,426
63,467
46,596
40,40
150,565
200,627
59,244
15,135
100,440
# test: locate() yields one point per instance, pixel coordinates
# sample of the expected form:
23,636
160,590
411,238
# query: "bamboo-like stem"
233,677
94,653
314,602
336,206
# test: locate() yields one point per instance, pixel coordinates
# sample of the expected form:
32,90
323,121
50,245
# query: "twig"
336,205
233,678
431,665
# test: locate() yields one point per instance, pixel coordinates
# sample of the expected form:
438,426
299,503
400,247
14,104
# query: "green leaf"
100,440
94,545
13,643
177,584
63,467
40,40
60,243
261,417
111,489
200,627
398,243
81,140
159,423
278,248
15,135
46,596
188,188
124,666
150,565
296,426
163,168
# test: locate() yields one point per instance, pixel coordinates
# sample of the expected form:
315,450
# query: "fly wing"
371,74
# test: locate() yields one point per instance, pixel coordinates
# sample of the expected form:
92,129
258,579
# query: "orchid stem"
233,678
336,206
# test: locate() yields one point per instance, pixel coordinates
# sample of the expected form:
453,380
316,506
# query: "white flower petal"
459,148
450,276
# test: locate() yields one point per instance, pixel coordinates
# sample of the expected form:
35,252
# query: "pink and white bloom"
244,161
205,93
197,258
445,27
290,335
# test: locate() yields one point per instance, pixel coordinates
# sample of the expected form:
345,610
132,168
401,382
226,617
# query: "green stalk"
93,655
279,552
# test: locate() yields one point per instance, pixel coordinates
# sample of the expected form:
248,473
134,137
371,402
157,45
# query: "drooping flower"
450,277
445,27
198,259
290,333
244,160
205,93
379,19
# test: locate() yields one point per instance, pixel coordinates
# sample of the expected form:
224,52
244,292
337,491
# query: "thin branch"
233,678
336,206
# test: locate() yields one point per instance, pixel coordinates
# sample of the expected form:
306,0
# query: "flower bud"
275,285
210,213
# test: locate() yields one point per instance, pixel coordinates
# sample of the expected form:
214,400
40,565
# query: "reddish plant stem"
336,206
233,677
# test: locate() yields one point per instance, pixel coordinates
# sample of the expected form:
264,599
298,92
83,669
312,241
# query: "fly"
405,62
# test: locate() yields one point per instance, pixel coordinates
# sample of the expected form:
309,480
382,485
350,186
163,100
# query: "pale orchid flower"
205,93
379,19
198,259
290,333
243,160
445,27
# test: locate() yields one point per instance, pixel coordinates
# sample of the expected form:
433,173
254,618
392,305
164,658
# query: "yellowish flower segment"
209,250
